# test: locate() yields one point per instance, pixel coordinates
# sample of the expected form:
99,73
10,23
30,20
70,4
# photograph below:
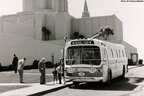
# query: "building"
22,33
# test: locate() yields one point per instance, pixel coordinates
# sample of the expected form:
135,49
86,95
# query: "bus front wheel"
75,83
109,78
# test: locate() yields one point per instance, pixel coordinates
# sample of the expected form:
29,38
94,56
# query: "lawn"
30,76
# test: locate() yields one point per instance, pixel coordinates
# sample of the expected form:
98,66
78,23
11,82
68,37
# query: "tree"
76,34
46,32
81,36
105,33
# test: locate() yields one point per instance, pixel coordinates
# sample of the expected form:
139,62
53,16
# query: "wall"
130,49
29,48
62,25
118,28
1,29
19,25
90,26
25,24
50,24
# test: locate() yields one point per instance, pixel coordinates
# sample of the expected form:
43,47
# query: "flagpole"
65,40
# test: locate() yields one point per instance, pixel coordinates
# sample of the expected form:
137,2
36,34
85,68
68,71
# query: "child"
54,76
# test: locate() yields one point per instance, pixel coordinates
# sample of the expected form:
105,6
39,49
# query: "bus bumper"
85,79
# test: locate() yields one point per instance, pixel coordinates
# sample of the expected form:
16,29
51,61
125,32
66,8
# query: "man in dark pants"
15,63
59,73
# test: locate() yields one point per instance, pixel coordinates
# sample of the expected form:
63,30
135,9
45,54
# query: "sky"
130,13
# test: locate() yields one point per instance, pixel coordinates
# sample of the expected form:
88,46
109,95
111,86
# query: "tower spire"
85,11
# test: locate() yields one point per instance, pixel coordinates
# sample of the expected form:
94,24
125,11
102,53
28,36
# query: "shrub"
49,64
129,61
140,61
28,67
35,64
6,68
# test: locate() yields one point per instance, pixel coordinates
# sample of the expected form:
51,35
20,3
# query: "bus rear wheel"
123,74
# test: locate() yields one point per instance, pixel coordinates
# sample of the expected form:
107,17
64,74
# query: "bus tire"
123,74
75,83
109,78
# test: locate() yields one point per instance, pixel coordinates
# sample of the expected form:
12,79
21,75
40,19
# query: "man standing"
14,63
41,66
20,68
59,73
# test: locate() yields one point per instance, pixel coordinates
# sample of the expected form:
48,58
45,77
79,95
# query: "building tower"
85,11
61,6
53,5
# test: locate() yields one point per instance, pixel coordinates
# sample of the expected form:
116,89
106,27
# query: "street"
132,85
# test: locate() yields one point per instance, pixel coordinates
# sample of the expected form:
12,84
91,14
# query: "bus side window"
114,53
117,53
110,53
123,53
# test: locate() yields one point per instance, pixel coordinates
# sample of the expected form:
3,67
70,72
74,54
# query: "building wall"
118,28
1,28
62,25
27,25
50,24
92,25
130,49
19,25
29,48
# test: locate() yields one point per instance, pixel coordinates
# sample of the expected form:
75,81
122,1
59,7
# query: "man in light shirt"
20,68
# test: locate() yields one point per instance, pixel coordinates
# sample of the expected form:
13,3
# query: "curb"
50,90
36,90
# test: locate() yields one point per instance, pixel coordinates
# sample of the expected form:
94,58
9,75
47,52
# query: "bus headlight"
92,70
70,70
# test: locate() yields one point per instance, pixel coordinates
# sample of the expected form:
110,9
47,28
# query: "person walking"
20,68
59,73
41,66
15,63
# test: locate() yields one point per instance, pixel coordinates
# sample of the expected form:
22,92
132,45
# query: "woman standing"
41,66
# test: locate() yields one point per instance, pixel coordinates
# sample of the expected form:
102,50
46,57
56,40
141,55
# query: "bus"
93,60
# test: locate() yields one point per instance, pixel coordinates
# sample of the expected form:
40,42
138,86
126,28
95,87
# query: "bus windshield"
83,55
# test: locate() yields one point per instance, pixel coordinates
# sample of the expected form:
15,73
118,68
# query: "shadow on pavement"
117,84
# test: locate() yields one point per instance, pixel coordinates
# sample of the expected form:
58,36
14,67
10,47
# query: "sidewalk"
36,89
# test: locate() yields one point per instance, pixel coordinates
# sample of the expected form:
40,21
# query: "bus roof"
95,41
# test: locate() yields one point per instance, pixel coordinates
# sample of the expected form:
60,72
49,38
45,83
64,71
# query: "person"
41,66
77,58
15,63
62,69
59,73
54,75
20,68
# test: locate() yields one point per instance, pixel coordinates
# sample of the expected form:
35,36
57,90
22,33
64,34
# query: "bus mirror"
104,59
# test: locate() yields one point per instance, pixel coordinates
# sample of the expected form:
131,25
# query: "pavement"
36,89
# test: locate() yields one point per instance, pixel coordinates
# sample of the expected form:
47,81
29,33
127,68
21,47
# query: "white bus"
92,60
